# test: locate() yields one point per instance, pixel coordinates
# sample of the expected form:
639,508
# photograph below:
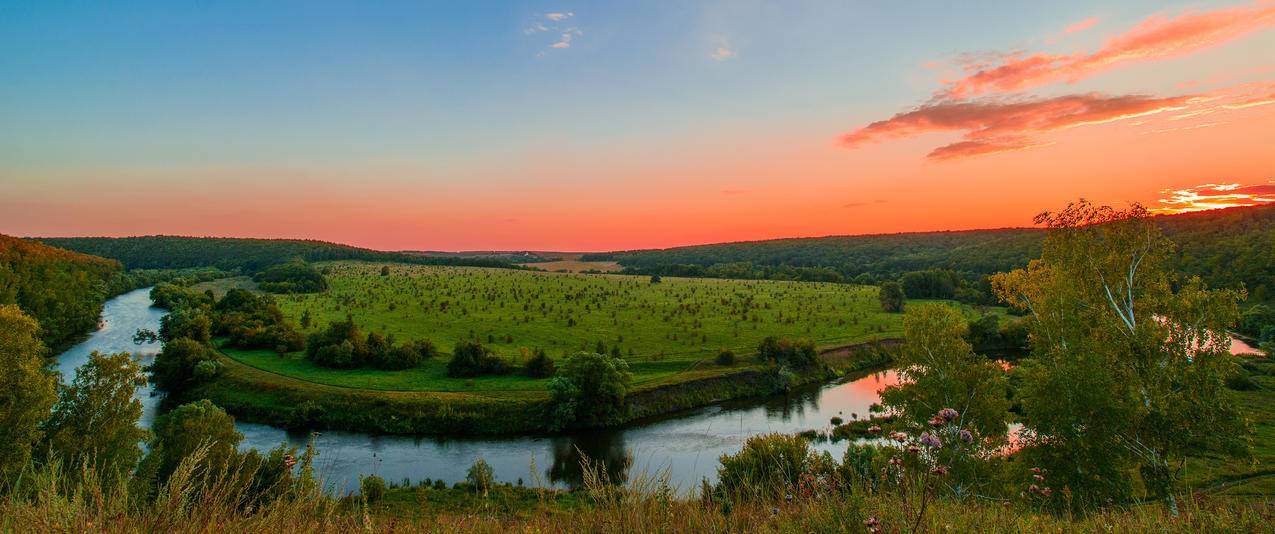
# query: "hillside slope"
176,252
63,290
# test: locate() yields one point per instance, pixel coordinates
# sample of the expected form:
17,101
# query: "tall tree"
96,417
939,369
1128,359
891,296
26,389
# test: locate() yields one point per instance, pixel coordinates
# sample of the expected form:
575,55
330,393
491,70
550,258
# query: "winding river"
686,445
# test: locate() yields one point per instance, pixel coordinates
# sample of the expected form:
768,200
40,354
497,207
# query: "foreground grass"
645,509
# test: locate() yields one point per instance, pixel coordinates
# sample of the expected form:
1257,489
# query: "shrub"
769,465
540,365
179,365
372,487
725,357
797,353
470,358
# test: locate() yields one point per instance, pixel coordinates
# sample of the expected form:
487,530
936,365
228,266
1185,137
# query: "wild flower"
289,461
898,436
930,440
937,421
966,436
872,521
913,449
874,429
939,470
949,414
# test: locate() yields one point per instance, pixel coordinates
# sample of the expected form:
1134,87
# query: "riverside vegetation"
1134,417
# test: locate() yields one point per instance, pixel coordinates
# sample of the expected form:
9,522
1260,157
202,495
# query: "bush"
470,358
797,353
372,487
725,357
769,465
306,415
540,365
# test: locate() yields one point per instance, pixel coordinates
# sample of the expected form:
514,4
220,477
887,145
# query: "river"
686,445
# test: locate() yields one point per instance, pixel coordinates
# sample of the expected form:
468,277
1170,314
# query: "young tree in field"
939,369
95,419
1128,360
26,389
892,298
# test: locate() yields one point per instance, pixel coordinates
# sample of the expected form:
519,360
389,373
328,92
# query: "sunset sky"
605,125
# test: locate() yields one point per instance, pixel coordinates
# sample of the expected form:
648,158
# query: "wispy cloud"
997,125
1081,26
722,53
1215,196
552,23
1155,38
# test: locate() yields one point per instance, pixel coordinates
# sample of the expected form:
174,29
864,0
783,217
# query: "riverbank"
259,396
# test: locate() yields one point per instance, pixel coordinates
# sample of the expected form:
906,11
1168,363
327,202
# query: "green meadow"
663,329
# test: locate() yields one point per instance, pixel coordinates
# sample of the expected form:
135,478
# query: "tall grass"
52,499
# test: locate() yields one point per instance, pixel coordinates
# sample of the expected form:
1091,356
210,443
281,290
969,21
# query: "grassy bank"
258,395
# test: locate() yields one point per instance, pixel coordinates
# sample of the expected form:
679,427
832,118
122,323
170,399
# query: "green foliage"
95,419
251,321
199,425
291,277
249,255
589,390
891,297
172,296
62,290
769,465
470,358
540,365
372,488
480,476
938,369
929,284
26,390
177,366
1128,360
186,323
725,357
793,353
344,346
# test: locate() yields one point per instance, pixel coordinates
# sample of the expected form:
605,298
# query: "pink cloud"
1216,196
1154,38
999,125
1081,26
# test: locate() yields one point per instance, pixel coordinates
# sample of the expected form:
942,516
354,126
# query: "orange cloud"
1081,26
1152,39
998,125
1216,196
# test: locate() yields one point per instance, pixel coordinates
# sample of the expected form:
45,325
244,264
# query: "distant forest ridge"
243,254
1227,247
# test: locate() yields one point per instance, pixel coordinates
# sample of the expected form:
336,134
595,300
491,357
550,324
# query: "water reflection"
606,453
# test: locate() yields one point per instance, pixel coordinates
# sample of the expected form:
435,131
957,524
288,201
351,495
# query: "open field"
576,266
665,330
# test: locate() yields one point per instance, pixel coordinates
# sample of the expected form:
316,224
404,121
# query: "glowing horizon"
586,126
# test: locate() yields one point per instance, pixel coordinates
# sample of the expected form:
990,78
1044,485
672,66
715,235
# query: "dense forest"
1226,248
247,255
62,290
